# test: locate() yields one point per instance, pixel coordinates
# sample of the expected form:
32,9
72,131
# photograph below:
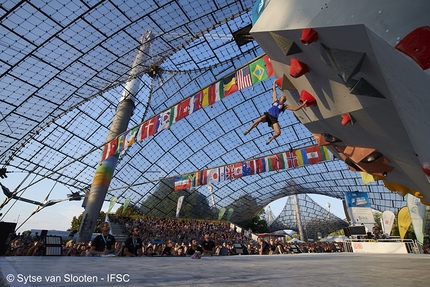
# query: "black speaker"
6,228
238,248
358,230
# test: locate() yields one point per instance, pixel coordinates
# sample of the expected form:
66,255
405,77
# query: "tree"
258,223
245,209
164,200
130,211
76,222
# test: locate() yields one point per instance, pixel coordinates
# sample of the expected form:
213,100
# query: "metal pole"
104,172
299,222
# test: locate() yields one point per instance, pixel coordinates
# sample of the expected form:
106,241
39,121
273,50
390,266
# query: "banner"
358,208
387,221
126,203
283,160
178,207
112,203
221,213
404,221
229,213
417,212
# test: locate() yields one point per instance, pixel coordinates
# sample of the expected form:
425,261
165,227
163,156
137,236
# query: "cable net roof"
315,220
64,67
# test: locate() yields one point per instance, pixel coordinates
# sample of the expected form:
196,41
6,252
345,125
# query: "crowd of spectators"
177,237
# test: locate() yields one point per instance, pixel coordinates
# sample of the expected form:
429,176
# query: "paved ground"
337,269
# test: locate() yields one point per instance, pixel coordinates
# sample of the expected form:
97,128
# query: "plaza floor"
332,269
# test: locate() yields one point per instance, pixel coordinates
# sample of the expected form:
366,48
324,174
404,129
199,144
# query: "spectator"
104,243
208,245
133,244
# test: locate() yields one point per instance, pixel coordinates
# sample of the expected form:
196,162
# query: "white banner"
417,211
359,208
387,221
379,247
178,207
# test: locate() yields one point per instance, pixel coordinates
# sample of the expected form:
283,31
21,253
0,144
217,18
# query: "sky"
60,215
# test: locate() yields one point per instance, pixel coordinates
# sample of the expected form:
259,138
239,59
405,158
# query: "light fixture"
371,157
329,138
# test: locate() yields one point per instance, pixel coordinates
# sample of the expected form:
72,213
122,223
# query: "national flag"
302,157
258,71
120,145
195,179
131,136
273,162
110,149
183,109
205,97
219,91
291,159
163,120
173,111
238,171
260,165
269,67
215,175
125,140
203,177
233,171
229,172
182,182
325,153
149,127
212,94
248,167
230,85
313,154
139,133
197,101
283,161
243,78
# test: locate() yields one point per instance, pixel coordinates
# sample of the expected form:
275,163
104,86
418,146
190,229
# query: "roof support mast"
95,197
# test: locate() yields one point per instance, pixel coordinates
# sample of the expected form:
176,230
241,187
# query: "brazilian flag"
258,71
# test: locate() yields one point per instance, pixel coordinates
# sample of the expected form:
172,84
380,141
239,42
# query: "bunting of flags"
283,160
251,74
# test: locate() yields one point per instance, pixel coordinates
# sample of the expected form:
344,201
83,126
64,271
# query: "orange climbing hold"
346,118
297,68
309,35
305,96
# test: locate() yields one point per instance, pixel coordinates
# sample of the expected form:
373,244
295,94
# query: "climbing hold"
305,96
297,68
309,35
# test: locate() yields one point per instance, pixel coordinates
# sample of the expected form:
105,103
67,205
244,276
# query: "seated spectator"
194,247
133,244
104,243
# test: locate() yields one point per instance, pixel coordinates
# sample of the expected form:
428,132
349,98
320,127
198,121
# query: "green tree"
76,222
245,209
163,202
130,211
258,223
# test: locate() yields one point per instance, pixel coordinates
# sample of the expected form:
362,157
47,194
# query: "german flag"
230,85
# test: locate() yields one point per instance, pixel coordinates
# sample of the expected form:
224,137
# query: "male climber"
271,116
